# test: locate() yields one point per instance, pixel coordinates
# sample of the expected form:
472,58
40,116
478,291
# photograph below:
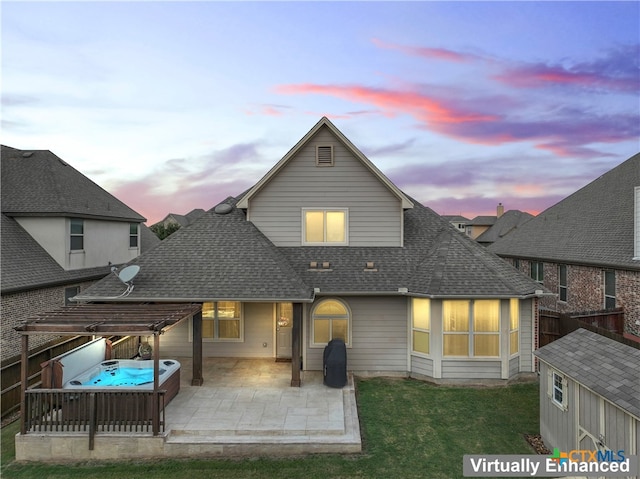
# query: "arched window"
330,319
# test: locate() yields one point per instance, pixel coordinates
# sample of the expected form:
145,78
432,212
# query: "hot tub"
124,374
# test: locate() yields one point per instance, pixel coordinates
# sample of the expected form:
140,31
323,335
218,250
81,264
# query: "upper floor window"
222,321
562,282
133,235
537,271
330,320
325,227
420,324
76,234
609,289
471,331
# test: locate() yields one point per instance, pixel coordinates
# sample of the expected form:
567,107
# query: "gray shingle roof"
593,226
37,182
218,257
504,225
607,367
227,257
26,265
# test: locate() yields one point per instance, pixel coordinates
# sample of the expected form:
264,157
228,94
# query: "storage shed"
590,394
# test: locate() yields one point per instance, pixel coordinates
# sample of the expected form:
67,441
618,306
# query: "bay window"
471,328
420,325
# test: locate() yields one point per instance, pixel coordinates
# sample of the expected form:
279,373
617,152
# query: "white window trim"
76,235
551,388
471,333
422,330
312,328
137,235
220,340
325,210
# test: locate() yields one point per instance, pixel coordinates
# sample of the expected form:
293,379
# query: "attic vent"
27,154
324,155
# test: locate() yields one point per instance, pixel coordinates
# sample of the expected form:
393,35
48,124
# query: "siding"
514,366
465,369
379,336
526,335
617,428
375,214
557,427
422,366
258,329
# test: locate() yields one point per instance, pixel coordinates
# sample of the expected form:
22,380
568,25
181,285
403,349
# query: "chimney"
500,210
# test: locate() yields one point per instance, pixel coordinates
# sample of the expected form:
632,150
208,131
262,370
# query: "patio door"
284,327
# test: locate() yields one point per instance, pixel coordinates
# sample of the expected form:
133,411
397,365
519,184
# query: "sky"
172,106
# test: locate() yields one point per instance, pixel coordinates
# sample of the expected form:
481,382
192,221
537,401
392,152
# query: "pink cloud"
426,52
425,108
616,70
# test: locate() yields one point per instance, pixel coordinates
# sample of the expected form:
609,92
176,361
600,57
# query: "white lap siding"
375,214
379,336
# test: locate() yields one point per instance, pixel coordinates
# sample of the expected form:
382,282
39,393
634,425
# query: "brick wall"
17,307
585,291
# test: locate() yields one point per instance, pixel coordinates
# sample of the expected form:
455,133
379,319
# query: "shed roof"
109,319
607,367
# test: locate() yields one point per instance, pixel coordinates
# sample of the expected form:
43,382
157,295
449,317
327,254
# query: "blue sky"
176,105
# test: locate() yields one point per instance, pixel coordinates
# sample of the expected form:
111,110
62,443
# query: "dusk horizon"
193,102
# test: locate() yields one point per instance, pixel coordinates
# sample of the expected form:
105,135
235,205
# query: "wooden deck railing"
100,410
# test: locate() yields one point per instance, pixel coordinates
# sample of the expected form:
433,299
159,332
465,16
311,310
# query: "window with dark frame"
609,289
69,293
562,282
537,271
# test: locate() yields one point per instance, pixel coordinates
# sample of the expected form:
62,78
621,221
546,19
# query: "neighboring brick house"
60,232
586,248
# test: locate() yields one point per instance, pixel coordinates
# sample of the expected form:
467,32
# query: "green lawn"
409,429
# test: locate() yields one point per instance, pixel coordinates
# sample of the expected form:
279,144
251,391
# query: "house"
586,248
503,225
590,394
60,234
459,222
181,220
325,246
480,224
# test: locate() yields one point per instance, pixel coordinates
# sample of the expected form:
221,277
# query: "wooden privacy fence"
124,348
609,323
91,412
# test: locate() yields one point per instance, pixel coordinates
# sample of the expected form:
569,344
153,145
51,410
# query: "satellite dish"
128,273
223,209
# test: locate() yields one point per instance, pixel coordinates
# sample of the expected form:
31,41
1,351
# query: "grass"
410,429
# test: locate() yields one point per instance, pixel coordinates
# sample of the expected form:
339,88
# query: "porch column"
295,345
196,379
156,384
24,377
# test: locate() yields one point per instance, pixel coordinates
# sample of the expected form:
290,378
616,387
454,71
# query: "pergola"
122,319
